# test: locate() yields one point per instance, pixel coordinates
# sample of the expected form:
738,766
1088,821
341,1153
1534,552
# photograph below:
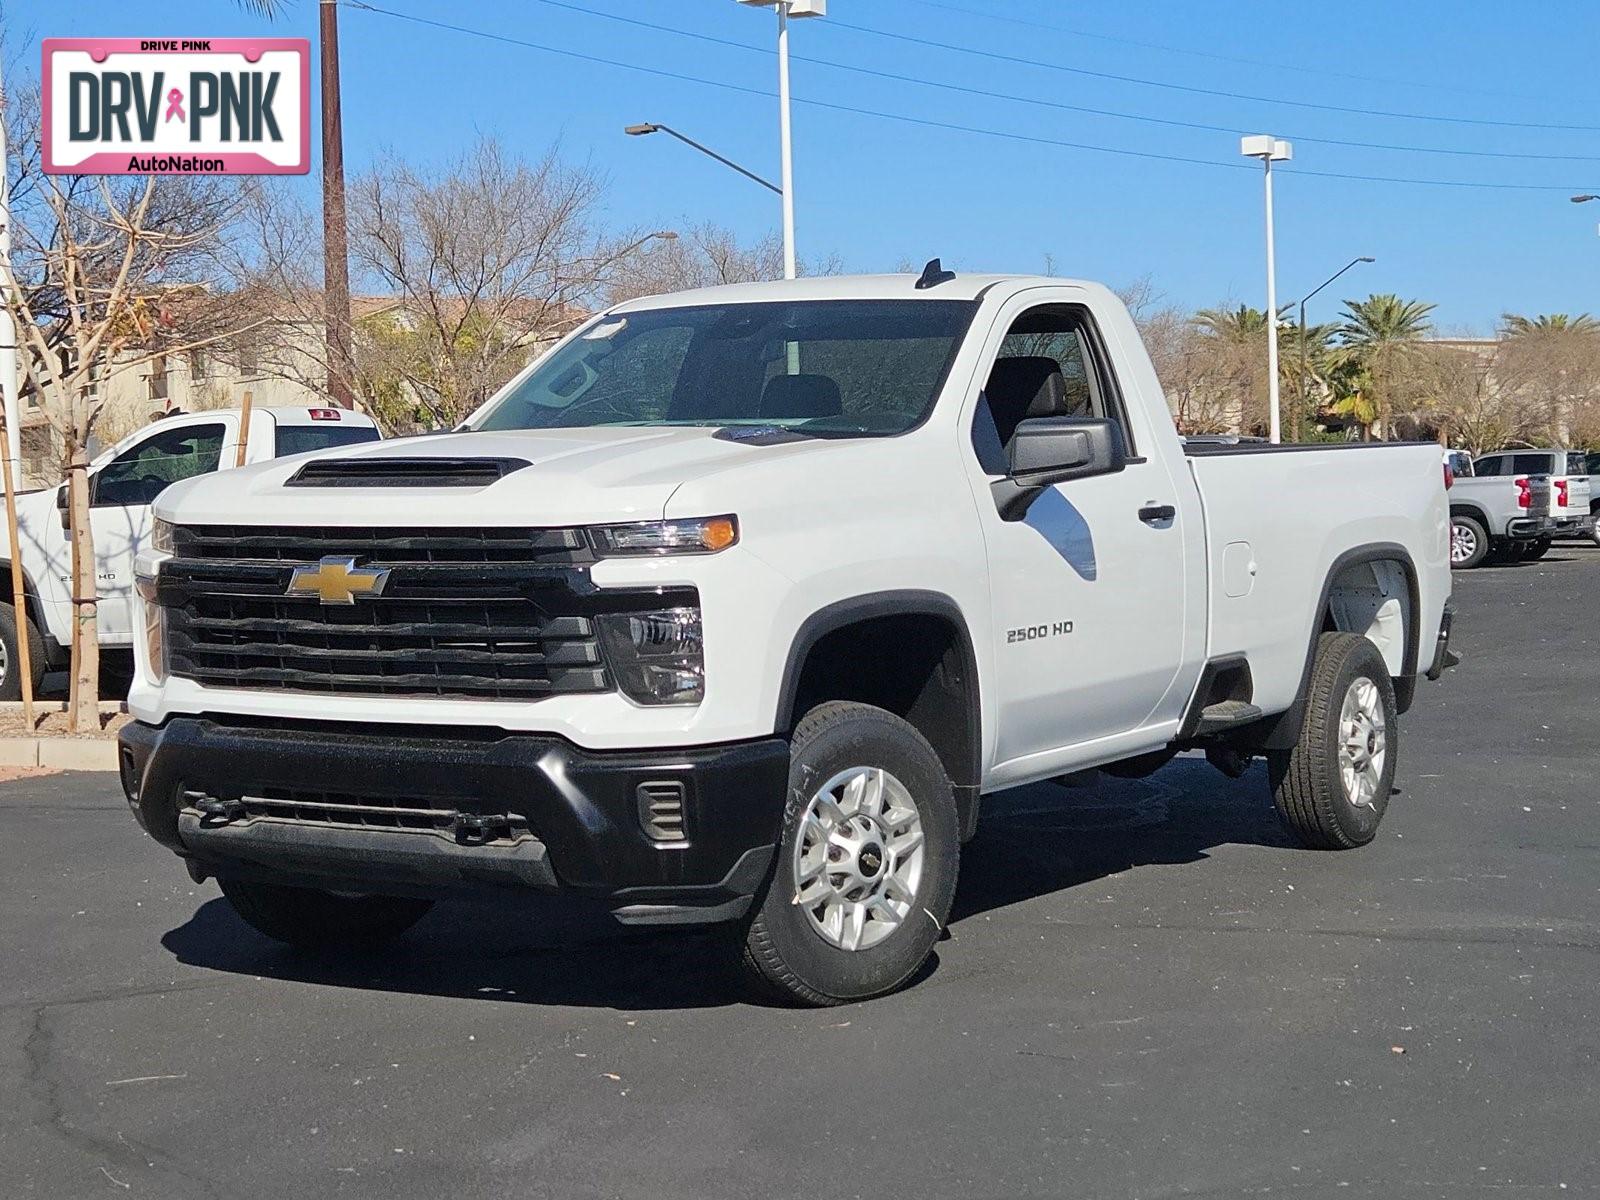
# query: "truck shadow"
1032,842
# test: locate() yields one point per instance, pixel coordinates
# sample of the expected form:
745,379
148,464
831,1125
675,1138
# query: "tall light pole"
1270,150
787,9
1365,258
650,127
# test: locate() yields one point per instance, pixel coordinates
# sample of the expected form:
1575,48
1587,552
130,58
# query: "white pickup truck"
123,482
732,607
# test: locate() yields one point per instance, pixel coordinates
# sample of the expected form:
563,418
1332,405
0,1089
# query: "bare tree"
104,271
705,256
486,260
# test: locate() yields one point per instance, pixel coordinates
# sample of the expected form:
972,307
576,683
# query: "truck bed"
1268,565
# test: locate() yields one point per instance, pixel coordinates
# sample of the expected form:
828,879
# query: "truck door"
120,495
1088,588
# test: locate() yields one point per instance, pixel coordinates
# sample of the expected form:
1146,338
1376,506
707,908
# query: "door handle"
1152,514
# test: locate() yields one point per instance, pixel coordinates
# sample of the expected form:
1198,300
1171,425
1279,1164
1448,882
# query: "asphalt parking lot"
1146,992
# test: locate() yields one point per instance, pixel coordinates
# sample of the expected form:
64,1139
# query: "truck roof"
300,414
845,287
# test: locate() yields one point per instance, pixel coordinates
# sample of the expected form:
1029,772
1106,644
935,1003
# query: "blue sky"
878,192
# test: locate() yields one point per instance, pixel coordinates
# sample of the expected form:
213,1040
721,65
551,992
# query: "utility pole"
1270,150
335,235
8,328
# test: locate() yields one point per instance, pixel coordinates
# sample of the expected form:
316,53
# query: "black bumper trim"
577,826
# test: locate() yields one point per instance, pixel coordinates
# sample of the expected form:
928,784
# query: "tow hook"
214,812
475,829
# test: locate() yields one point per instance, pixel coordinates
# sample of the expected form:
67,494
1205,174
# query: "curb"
63,754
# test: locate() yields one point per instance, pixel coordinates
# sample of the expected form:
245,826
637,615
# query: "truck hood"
574,476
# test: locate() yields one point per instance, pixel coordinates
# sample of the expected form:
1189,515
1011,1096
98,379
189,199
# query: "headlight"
657,657
703,535
161,536
155,628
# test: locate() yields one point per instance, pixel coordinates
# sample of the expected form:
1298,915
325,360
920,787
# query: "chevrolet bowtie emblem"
338,581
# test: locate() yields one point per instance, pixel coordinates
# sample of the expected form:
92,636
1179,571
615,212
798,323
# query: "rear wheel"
1532,550
10,659
318,920
1469,541
1332,788
866,867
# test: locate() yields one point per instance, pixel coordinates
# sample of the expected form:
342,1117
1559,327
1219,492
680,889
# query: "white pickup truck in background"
732,607
123,482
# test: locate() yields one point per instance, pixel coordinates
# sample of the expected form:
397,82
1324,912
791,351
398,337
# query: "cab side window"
1050,365
1493,464
146,469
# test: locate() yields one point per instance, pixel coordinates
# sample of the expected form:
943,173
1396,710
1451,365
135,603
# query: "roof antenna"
933,275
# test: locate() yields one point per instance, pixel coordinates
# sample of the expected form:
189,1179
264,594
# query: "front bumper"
423,811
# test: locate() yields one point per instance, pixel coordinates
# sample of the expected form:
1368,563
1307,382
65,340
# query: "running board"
1225,715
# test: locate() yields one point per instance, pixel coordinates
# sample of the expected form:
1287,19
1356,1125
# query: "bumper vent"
662,811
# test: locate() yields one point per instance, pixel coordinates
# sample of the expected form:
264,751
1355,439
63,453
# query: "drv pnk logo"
118,106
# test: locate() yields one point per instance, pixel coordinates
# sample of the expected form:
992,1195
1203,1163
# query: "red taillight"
1449,477
1561,492
324,414
1524,494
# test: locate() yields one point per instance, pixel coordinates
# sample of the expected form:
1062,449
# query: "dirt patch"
54,724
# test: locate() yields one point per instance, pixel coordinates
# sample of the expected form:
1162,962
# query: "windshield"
842,368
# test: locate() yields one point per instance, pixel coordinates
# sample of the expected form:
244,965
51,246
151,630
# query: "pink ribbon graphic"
175,106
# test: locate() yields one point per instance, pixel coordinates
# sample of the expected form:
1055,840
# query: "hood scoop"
404,472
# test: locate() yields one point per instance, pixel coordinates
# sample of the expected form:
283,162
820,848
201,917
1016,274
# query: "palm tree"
1516,325
1380,334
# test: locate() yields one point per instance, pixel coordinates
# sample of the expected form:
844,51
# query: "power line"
1010,135
923,81
1168,48
1017,60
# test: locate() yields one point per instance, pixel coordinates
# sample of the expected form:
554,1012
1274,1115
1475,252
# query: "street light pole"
1300,412
787,9
650,127
786,136
1270,150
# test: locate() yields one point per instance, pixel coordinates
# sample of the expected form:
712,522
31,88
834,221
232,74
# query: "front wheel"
866,866
1332,788
318,920
1469,541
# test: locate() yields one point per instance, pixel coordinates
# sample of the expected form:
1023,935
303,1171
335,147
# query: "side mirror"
1050,450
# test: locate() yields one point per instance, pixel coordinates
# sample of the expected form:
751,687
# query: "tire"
857,769
1309,786
1535,550
10,675
316,920
1469,542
